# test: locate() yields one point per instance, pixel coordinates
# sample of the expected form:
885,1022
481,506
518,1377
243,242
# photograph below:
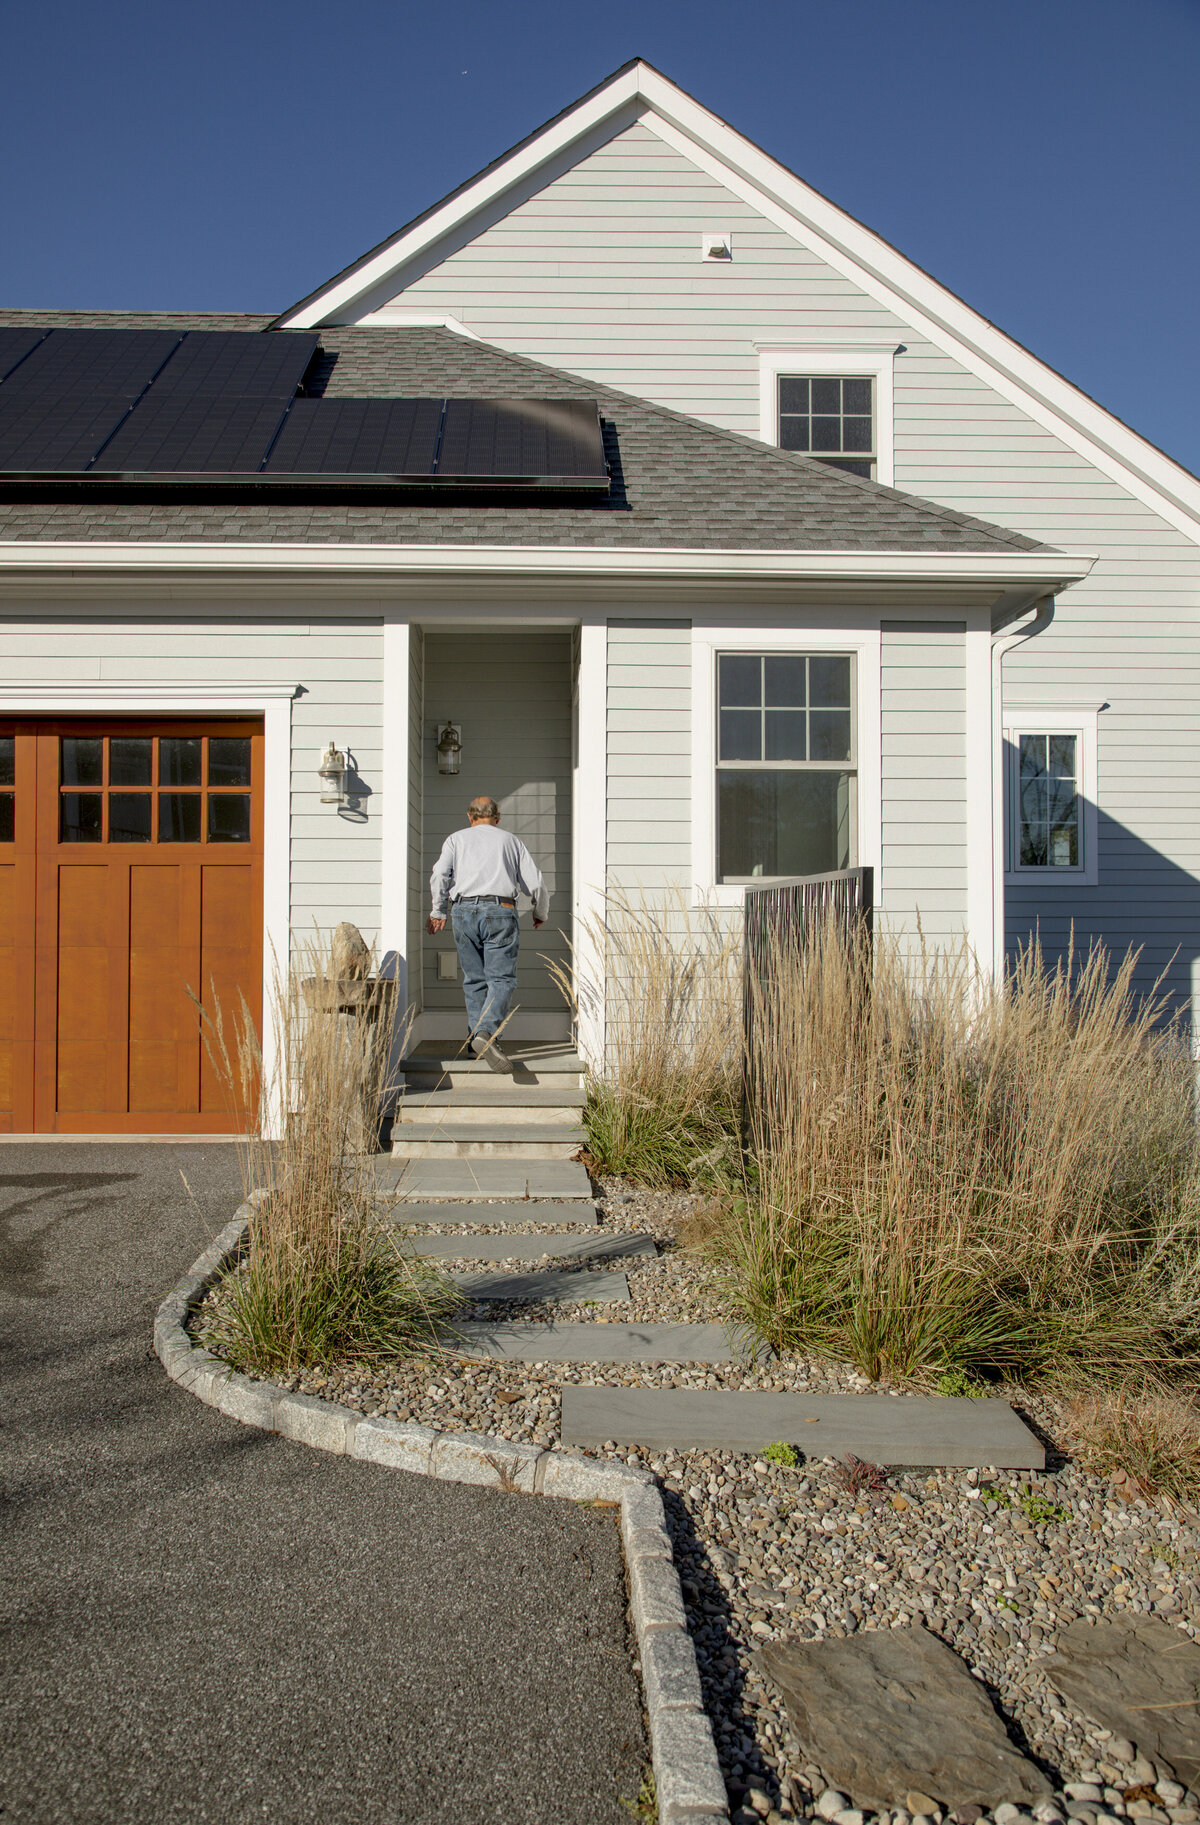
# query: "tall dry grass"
666,1107
948,1172
322,1278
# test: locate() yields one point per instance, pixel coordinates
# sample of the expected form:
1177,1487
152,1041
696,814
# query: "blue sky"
1040,157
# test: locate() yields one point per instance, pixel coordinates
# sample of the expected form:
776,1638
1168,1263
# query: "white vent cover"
717,246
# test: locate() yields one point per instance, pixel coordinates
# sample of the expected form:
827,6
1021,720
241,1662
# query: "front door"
130,884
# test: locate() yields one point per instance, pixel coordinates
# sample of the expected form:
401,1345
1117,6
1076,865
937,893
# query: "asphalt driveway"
200,1621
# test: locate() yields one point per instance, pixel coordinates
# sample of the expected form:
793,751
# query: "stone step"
424,1140
435,1065
489,1104
533,1210
596,1341
564,1288
453,1180
879,1428
526,1247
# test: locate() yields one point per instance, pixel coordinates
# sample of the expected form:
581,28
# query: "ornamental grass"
322,1279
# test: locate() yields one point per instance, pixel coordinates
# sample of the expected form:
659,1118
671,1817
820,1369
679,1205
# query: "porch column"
393,825
590,823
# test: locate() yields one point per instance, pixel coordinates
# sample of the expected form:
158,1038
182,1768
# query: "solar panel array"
223,406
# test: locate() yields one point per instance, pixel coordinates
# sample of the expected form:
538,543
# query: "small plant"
1037,1508
858,1477
958,1385
645,1807
786,1456
1151,1437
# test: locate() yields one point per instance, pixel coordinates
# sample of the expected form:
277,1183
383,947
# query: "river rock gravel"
995,1563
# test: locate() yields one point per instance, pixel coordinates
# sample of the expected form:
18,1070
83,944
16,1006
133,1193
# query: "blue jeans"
488,938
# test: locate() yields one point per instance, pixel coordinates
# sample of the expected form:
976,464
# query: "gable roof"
637,91
677,482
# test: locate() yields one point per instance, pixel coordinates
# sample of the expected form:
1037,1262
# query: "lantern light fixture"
332,775
449,747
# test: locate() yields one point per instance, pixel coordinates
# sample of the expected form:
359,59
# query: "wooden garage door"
130,879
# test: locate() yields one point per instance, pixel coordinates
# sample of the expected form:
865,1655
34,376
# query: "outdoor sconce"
332,775
449,747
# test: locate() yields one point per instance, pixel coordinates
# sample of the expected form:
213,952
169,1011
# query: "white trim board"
810,218
1056,570
274,704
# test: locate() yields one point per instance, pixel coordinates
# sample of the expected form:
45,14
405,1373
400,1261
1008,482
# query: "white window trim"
1083,725
854,358
273,702
863,644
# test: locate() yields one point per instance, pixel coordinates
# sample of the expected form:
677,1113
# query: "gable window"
831,417
785,764
1051,818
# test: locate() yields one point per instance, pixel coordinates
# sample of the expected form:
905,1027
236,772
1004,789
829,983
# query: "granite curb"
686,1769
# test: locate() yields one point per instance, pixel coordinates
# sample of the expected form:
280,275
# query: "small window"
785,765
1051,820
830,417
8,780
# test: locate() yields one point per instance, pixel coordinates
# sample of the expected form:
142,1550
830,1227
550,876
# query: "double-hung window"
785,764
1051,819
830,417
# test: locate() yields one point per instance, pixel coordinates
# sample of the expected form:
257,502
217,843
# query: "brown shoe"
490,1054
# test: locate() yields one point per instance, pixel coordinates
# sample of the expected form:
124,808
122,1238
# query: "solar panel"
383,437
70,393
213,409
554,442
15,344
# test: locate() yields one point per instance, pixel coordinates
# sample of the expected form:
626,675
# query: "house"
725,541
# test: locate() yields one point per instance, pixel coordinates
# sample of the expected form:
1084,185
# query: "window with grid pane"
831,417
785,764
1048,799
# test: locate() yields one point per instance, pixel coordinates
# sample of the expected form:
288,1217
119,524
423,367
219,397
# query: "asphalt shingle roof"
676,481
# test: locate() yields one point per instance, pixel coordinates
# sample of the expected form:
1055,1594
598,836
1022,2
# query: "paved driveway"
204,1622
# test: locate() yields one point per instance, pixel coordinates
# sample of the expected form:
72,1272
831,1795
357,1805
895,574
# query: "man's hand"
538,923
434,925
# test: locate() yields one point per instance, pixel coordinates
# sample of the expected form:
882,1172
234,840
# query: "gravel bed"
995,1563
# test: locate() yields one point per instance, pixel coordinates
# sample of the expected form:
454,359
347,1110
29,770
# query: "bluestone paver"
596,1342
534,1247
880,1428
459,1180
203,1621
533,1210
549,1284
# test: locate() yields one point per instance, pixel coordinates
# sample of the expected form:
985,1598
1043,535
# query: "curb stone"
686,1770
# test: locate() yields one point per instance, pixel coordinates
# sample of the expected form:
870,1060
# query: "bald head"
483,811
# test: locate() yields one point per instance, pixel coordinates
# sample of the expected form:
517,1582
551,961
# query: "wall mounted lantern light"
449,747
332,775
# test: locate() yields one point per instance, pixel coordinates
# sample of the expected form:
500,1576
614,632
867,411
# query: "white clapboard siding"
335,863
510,691
599,271
923,706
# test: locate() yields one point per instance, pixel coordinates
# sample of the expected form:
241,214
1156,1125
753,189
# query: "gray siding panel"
649,792
923,706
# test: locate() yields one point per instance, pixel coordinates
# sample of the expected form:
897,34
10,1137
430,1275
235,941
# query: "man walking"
479,874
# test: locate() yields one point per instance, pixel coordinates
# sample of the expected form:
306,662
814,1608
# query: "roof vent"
718,246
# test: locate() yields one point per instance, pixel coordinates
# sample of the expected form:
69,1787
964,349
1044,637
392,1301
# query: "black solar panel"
70,393
555,442
15,344
214,408
384,437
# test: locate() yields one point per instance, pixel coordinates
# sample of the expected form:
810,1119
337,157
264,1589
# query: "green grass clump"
958,1385
689,1138
786,1456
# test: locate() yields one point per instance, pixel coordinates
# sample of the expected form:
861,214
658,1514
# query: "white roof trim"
25,557
851,248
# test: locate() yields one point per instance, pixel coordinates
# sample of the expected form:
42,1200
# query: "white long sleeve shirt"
483,859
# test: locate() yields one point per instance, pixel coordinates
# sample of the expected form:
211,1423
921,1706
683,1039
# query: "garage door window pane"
82,760
8,777
178,817
8,760
80,817
179,760
8,818
782,823
129,817
129,760
229,760
229,817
